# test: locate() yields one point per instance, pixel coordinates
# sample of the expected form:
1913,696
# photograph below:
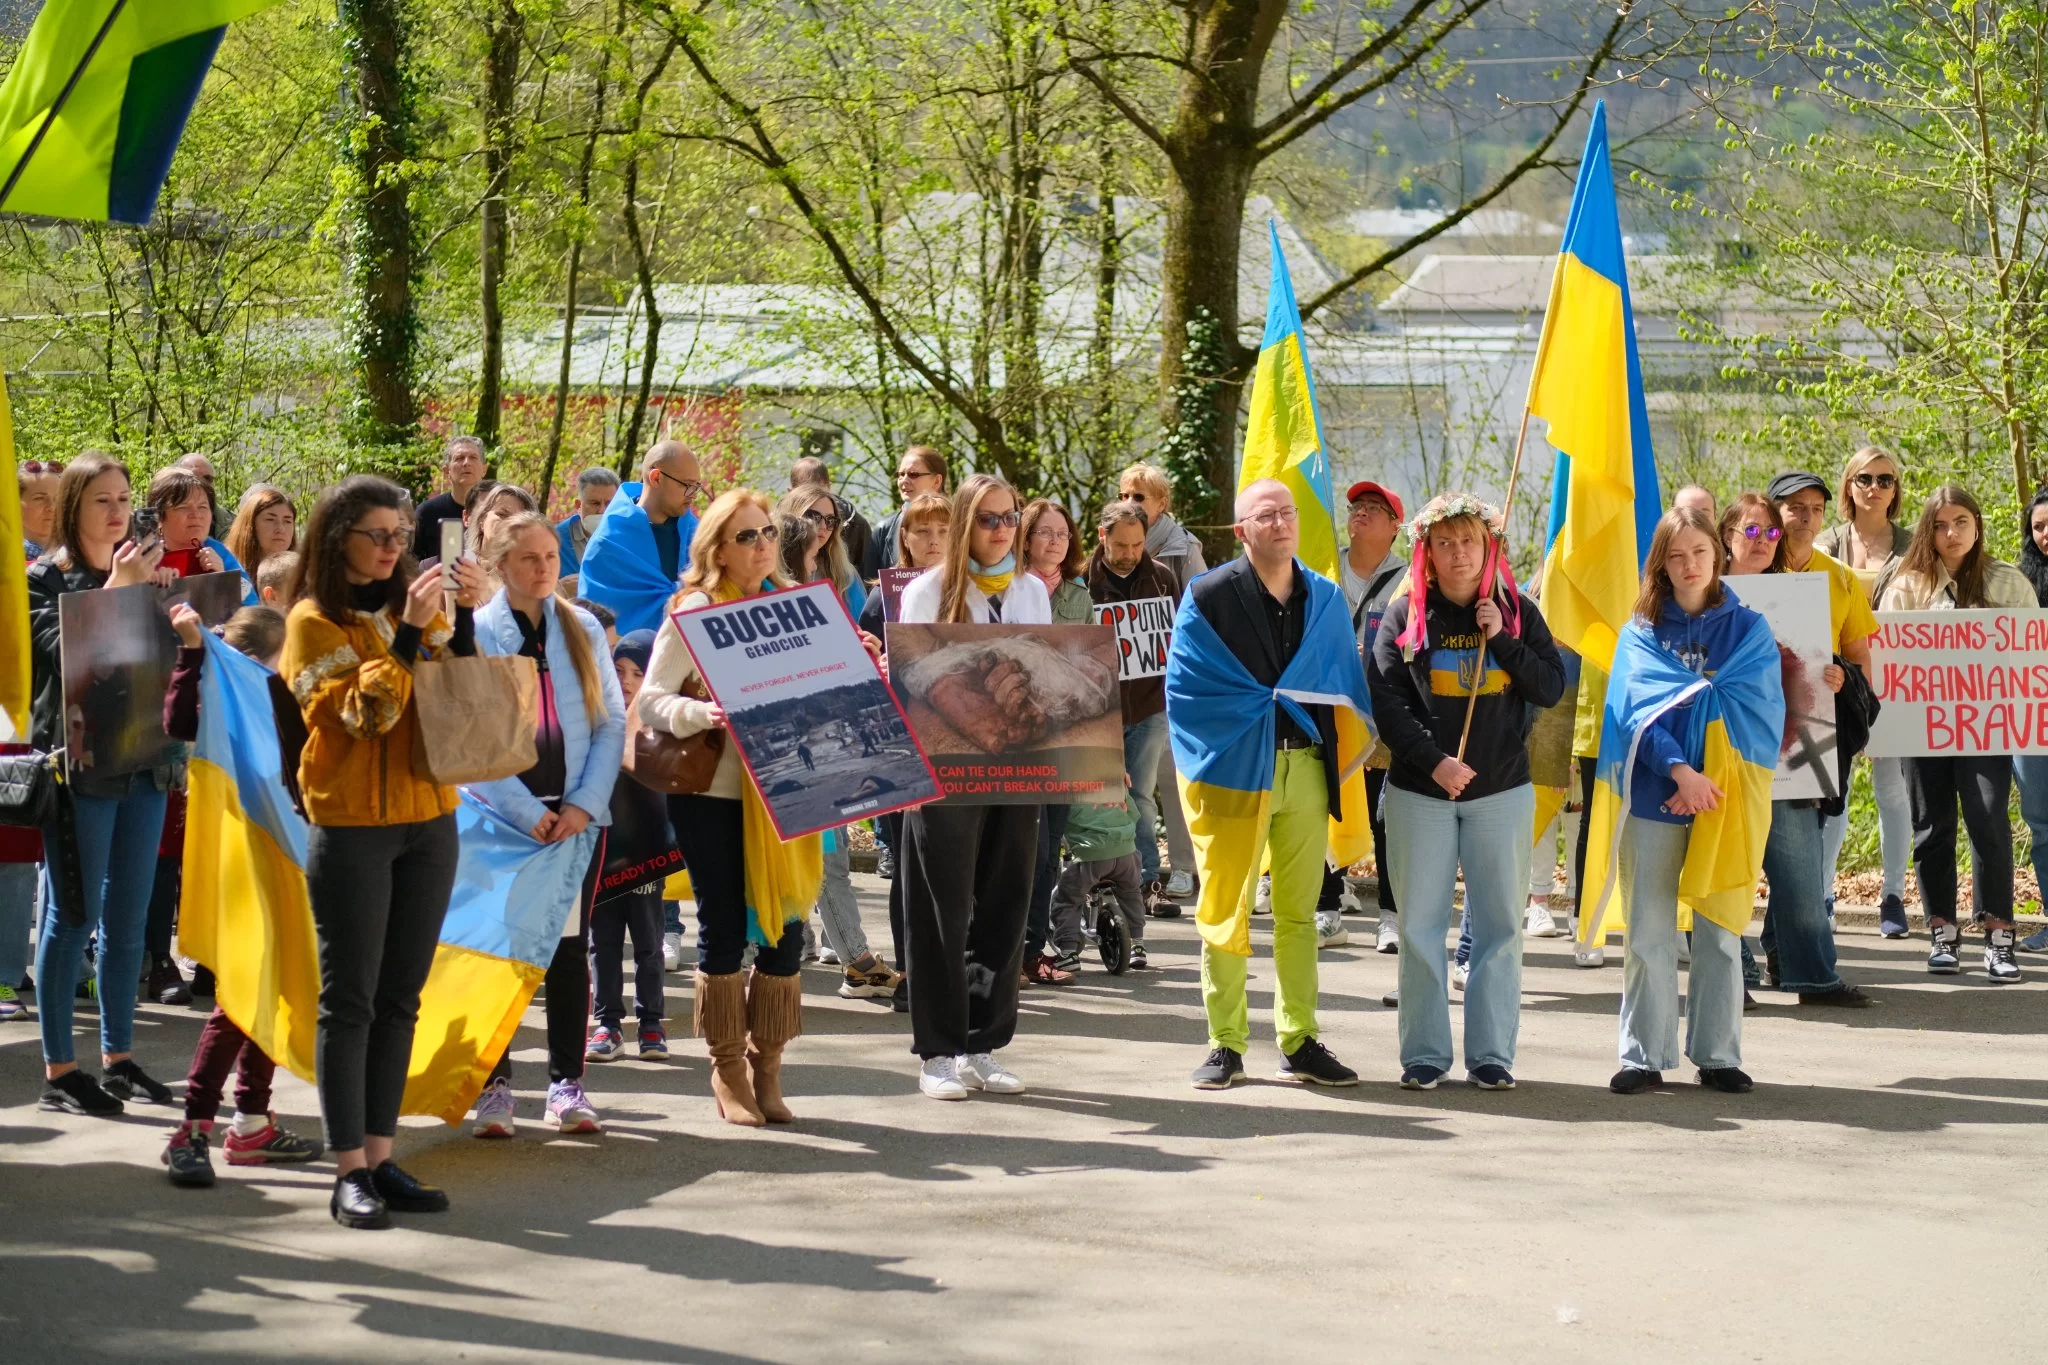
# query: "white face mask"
590,521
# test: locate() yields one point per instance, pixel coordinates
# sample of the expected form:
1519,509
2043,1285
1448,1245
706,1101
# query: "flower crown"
1447,506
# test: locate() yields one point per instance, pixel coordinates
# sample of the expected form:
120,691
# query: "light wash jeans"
1432,839
836,905
1652,855
17,913
117,839
1144,742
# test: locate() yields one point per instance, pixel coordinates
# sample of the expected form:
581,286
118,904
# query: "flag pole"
57,106
1479,675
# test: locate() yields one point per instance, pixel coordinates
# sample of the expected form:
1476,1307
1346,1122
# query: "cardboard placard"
1144,634
1960,682
1796,606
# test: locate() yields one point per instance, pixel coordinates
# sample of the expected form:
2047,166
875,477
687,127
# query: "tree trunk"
643,267
1023,264
1104,436
380,139
504,28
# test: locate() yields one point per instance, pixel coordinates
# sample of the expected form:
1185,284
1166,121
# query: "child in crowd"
637,914
274,578
1102,846
254,1139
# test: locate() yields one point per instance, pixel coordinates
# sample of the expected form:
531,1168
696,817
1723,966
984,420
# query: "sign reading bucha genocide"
815,724
1960,682
1015,715
1144,632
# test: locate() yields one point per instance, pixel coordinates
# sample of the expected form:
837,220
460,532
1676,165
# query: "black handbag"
30,788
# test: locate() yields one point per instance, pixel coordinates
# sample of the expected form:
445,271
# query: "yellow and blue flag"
1732,731
1283,436
1588,385
95,103
14,656
247,915
1220,722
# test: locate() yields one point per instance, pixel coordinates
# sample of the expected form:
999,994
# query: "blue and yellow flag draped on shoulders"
246,913
1283,436
1732,733
1220,723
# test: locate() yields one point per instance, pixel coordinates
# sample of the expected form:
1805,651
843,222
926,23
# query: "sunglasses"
383,540
828,520
765,535
1769,533
907,475
995,521
41,467
1875,481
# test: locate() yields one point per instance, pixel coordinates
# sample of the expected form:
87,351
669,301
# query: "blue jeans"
1431,839
1652,855
117,839
1144,742
2032,771
17,911
1795,915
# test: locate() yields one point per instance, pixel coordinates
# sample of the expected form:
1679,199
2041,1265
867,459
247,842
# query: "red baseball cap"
1365,486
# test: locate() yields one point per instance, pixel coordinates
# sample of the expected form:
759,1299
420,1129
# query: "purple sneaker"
494,1112
570,1109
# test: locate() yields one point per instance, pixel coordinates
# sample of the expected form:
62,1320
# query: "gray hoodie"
1167,541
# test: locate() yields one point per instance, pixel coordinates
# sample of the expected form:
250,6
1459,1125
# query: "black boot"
355,1203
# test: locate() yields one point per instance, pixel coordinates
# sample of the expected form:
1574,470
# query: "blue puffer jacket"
1701,643
590,756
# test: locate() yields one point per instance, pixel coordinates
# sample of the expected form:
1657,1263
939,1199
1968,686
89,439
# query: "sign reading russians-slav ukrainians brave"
1144,633
1954,683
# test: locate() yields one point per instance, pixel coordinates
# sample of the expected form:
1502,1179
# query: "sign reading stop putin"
1955,683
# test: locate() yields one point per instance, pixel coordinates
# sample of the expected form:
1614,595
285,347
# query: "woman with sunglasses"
381,847
825,554
967,869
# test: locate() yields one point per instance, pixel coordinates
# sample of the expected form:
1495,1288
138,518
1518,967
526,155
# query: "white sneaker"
494,1112
940,1079
1330,930
1262,903
1389,938
671,952
1461,972
981,1071
1539,923
1594,956
829,955
1179,885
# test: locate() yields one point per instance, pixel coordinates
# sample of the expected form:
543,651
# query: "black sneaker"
127,1081
191,1166
167,985
1771,977
355,1203
1492,1076
1312,1064
1844,996
1421,1076
1891,918
1729,1080
1941,958
1138,959
901,1002
74,1092
1221,1069
400,1192
1999,964
1633,1080
885,864
1068,960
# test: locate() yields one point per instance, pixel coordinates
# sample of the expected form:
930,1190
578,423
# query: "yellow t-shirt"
1849,613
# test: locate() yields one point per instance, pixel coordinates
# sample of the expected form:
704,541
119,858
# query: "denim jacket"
591,756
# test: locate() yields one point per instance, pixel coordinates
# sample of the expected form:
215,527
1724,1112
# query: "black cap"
636,645
1798,481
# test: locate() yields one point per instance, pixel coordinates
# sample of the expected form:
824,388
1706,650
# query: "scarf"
992,579
1496,578
2032,562
782,879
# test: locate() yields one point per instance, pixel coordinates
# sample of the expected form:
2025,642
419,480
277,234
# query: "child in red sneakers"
254,1138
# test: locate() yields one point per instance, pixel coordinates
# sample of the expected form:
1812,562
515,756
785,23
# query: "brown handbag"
477,717
659,761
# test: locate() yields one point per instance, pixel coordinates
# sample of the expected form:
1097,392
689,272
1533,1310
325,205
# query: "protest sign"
1012,714
1952,683
815,724
1796,606
639,847
891,585
1144,632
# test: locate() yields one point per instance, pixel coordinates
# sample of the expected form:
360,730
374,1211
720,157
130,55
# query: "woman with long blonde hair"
824,556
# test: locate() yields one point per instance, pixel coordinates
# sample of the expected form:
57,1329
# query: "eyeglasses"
41,467
1875,481
383,540
828,520
1273,516
689,488
766,535
1369,510
1051,531
912,475
1134,495
995,521
1770,534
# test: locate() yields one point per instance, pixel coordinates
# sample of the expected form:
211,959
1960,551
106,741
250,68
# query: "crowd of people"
986,901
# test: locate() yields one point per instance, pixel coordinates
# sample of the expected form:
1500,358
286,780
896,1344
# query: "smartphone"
144,524
451,550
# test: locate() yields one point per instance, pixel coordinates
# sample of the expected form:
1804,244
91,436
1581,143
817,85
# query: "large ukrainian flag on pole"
1283,437
246,913
96,102
1588,385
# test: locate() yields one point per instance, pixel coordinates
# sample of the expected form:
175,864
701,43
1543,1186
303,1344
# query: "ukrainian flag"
1732,733
1220,723
1588,385
14,656
96,102
247,915
1283,438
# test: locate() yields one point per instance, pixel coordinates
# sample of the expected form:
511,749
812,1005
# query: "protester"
579,735
1945,568
254,1137
381,847
637,914
491,504
922,470
1696,497
266,523
118,819
36,481
1692,660
967,870
185,510
202,467
641,546
820,554
2032,769
274,580
462,466
595,488
854,532
1054,554
1122,570
1472,633
750,886
1370,572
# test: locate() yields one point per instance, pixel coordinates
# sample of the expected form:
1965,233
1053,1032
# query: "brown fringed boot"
721,1020
775,1015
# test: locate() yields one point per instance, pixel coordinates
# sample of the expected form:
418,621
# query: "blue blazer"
591,756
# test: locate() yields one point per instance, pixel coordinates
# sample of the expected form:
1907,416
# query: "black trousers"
1982,786
1589,769
709,832
565,990
1045,875
379,894
1375,783
163,910
610,924
967,874
890,829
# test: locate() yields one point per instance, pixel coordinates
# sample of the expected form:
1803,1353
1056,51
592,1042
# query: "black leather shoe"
1634,1080
1729,1080
404,1194
355,1203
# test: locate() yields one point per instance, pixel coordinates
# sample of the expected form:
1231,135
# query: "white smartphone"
451,550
